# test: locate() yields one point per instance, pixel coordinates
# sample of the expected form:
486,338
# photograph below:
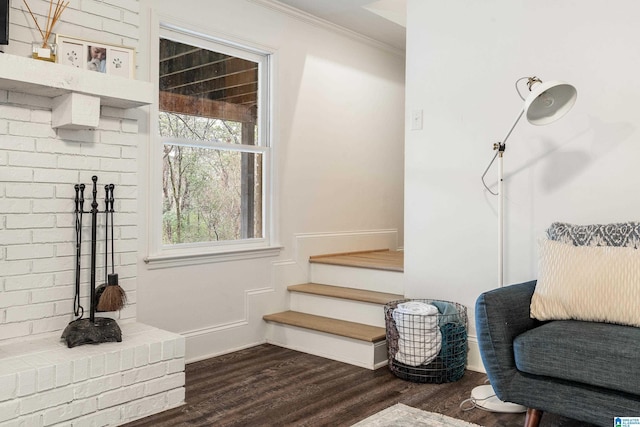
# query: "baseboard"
213,329
474,360
380,354
222,353
381,364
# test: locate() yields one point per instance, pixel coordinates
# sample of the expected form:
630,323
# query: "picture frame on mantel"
95,56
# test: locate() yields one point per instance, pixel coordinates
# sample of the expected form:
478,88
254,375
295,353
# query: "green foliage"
201,187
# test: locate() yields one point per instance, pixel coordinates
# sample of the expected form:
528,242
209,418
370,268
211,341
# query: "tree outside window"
213,153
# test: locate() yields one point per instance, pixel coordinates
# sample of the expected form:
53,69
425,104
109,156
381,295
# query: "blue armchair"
587,371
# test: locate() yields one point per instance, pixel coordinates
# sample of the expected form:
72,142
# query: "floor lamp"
545,103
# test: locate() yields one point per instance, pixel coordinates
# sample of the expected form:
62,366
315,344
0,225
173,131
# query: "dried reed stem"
51,19
34,18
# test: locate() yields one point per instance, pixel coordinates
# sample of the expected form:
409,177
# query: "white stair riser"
360,278
354,352
337,308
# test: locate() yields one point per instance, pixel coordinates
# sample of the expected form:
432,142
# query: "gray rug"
400,415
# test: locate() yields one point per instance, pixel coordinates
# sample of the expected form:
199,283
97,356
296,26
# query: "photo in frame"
95,56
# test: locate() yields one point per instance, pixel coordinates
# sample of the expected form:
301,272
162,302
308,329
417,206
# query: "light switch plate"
416,120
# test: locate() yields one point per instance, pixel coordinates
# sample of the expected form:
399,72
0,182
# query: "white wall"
463,58
338,142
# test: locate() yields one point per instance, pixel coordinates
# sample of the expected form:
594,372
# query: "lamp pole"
546,103
501,147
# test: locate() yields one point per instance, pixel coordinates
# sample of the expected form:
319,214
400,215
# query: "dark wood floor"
272,386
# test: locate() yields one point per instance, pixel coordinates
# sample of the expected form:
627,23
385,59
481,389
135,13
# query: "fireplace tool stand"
92,330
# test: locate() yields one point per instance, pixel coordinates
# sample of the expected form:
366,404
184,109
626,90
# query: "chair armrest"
502,315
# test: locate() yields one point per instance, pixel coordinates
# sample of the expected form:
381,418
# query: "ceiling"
381,20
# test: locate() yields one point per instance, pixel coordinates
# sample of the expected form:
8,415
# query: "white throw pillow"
592,283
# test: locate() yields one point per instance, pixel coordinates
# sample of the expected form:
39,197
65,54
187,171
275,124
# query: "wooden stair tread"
342,328
382,259
353,294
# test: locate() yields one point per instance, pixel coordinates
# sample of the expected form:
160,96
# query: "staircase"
339,315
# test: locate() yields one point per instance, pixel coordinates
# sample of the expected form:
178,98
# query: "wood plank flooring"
272,386
382,259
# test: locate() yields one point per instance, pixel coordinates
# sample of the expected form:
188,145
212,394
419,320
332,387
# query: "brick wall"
107,21
38,169
42,383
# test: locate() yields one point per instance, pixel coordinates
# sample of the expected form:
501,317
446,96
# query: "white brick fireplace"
44,152
44,383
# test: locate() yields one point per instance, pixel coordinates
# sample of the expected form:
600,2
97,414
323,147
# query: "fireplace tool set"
108,296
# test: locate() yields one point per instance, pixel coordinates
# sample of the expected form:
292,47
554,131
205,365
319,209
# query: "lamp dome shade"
548,101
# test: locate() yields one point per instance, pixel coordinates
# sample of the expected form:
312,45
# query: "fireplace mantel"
77,94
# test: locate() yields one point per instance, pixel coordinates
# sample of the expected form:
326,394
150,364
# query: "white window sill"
155,262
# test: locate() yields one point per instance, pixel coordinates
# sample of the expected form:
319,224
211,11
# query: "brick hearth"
44,383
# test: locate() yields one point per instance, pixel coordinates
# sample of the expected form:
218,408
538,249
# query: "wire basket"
427,348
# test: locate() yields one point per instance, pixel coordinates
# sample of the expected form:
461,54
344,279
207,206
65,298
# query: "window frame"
162,255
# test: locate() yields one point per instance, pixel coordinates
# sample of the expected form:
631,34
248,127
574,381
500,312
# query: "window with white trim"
213,130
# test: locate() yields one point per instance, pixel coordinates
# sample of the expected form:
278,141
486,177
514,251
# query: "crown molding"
323,23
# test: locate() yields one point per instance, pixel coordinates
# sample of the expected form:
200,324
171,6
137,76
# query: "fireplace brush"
100,289
111,297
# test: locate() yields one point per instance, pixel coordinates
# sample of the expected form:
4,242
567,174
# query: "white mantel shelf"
75,86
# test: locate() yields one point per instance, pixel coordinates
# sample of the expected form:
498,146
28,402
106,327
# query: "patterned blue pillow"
625,234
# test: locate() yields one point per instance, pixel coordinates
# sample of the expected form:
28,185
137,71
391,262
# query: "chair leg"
533,417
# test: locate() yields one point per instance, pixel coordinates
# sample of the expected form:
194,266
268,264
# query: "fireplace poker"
78,310
94,226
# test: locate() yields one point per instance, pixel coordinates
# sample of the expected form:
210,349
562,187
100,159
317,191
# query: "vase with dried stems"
47,50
